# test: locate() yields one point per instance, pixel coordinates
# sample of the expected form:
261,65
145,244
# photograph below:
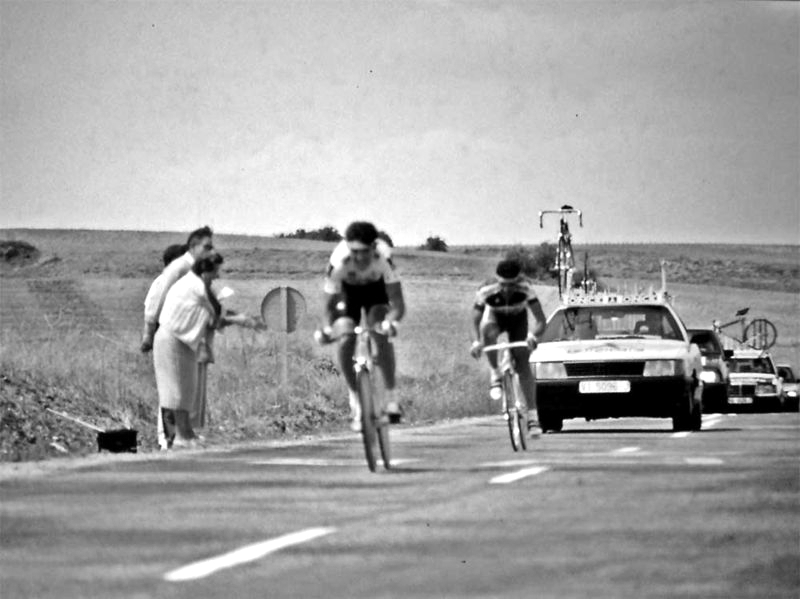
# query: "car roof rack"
591,296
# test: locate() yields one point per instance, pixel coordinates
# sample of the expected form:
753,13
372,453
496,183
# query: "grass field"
70,320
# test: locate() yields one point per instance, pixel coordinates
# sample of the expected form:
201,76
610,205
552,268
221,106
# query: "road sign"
282,309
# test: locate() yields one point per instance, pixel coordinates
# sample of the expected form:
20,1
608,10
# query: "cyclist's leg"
490,330
518,331
346,350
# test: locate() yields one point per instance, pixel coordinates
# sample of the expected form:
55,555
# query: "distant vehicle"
715,368
789,382
754,383
610,356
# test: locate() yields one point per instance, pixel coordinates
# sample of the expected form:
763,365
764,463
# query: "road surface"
614,508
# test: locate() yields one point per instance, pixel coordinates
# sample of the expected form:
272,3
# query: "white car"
611,356
754,382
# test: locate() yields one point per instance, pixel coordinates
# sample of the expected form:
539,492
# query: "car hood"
609,350
739,377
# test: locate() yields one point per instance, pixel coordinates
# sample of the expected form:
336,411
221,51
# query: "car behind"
754,383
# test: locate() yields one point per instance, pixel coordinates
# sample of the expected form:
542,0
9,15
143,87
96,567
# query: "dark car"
715,369
789,393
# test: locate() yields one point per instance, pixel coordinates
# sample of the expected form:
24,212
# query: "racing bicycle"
514,406
565,258
759,333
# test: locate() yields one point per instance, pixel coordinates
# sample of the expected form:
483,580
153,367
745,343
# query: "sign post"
282,308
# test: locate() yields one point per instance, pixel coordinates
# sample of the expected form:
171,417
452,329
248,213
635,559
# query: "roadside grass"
69,336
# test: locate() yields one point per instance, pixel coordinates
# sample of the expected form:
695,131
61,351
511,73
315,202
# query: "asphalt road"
616,508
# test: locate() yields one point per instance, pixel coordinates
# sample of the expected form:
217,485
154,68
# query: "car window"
706,342
786,374
756,365
603,322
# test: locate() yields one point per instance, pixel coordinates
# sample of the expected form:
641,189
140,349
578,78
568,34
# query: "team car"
789,386
611,356
715,376
754,382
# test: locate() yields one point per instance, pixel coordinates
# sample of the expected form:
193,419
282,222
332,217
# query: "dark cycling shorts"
364,296
516,325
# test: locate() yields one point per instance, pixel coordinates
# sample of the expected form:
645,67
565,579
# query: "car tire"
684,411
550,422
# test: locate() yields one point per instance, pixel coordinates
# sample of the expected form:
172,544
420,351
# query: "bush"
536,264
434,243
323,234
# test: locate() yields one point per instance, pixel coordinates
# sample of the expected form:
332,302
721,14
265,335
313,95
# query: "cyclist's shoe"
495,386
394,412
534,429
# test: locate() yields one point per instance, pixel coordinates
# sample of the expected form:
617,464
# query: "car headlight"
710,376
550,370
765,389
791,393
662,367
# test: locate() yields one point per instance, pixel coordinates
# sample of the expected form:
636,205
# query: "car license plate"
746,400
604,387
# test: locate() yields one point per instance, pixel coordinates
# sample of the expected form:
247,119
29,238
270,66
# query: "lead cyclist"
361,274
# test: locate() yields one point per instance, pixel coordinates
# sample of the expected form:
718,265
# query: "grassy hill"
71,309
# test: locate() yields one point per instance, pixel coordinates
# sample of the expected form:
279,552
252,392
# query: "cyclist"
502,305
361,274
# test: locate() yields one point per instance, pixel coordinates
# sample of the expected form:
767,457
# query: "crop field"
71,316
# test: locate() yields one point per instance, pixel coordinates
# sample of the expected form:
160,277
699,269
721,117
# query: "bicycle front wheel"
381,422
369,433
512,418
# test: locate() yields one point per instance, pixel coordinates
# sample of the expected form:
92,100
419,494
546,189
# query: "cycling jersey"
343,272
505,298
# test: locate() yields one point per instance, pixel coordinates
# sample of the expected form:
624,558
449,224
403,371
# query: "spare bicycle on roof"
565,258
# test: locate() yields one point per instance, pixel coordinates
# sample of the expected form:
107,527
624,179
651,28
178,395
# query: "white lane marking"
711,420
504,479
700,461
681,435
245,554
624,450
508,463
321,462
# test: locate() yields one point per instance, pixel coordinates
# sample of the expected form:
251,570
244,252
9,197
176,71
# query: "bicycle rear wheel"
563,264
369,433
512,418
521,409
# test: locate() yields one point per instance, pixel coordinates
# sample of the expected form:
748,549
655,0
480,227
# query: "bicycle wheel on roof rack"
760,334
563,266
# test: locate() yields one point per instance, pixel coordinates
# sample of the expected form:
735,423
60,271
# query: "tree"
327,233
434,243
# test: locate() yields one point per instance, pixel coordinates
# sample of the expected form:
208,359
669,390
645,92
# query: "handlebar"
505,345
563,212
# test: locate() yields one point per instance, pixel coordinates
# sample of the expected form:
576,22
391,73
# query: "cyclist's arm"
331,311
538,315
477,316
397,304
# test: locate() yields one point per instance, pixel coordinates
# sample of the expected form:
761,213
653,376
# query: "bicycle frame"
565,257
514,408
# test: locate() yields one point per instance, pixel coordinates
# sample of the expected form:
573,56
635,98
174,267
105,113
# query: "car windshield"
608,322
758,365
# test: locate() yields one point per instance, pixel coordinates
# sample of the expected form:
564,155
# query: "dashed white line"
624,450
504,479
243,555
321,462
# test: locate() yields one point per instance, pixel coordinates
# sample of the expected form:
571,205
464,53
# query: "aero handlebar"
563,212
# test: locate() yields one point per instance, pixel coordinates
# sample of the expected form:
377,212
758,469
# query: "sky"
669,121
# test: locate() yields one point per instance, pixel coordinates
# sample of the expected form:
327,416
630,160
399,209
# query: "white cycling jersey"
342,269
